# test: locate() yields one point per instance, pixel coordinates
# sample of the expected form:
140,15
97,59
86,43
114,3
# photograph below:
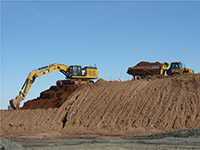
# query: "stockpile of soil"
144,63
54,97
114,109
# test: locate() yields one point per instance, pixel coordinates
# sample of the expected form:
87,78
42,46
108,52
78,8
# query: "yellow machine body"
83,73
146,71
179,68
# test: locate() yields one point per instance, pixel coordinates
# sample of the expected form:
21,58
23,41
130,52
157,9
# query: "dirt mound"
160,104
114,109
144,63
54,97
101,81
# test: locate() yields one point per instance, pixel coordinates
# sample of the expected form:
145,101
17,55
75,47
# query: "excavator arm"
15,103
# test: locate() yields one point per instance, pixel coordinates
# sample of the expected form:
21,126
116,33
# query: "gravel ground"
178,140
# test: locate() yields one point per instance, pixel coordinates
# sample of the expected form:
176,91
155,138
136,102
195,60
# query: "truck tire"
148,76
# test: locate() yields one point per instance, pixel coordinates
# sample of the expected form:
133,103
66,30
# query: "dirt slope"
54,97
115,109
144,63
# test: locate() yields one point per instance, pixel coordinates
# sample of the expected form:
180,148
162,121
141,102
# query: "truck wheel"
148,76
138,77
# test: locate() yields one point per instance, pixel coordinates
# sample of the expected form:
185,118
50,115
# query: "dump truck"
145,69
75,74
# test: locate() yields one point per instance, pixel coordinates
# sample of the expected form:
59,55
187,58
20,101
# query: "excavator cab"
78,75
76,71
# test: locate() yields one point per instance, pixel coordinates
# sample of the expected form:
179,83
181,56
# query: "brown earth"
54,97
113,109
144,63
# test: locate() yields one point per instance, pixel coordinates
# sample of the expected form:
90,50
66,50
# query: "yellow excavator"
75,74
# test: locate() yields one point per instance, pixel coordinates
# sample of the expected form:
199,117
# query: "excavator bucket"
14,103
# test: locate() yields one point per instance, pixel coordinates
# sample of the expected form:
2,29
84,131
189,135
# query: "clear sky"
115,35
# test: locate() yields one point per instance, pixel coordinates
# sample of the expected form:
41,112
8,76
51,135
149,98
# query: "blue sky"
114,35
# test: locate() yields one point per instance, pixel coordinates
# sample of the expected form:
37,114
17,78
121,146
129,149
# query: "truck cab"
179,68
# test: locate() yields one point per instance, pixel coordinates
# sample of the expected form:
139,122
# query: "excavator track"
73,82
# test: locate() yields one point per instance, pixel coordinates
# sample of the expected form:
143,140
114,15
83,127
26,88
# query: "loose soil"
144,63
118,109
54,97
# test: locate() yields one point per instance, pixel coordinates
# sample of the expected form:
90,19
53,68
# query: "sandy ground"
109,116
178,140
120,109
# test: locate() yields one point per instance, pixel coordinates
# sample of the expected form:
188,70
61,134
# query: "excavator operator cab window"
181,65
75,70
79,70
70,71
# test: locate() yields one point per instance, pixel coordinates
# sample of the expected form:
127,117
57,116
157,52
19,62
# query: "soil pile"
166,104
54,97
144,63
133,70
114,109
